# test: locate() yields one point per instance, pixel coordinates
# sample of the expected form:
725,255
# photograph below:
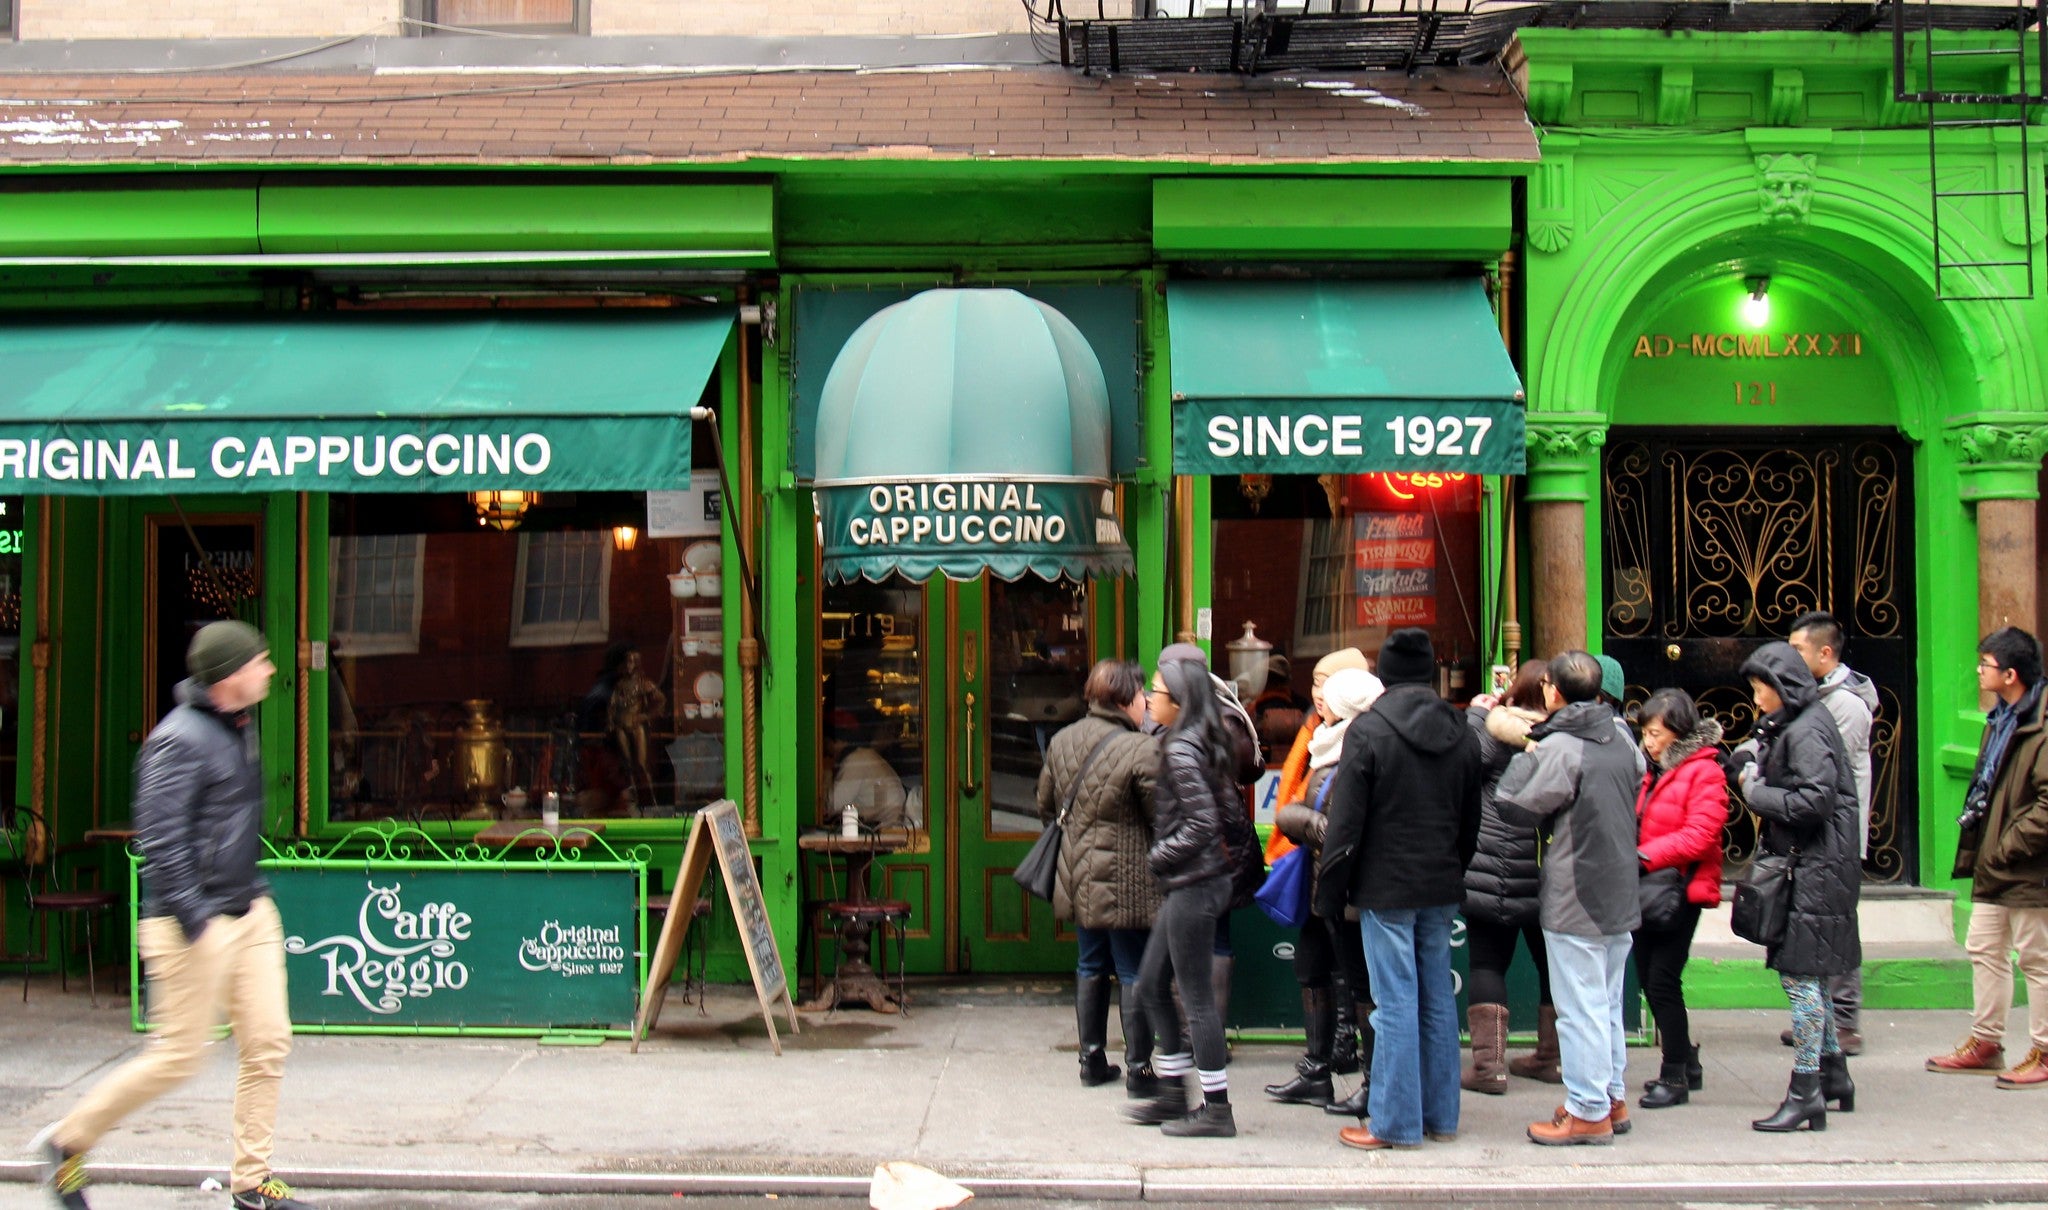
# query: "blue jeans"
1415,1063
1105,949
1586,976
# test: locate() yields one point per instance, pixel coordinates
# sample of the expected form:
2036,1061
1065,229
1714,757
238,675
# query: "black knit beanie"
1407,658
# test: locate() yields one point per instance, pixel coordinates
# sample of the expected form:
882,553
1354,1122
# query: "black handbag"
1763,901
1661,896
1039,872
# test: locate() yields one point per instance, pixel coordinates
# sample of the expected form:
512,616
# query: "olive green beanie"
220,649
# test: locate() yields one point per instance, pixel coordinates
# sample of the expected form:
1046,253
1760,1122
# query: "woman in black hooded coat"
1798,781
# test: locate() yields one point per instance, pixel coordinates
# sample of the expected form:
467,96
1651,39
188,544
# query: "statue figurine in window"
635,700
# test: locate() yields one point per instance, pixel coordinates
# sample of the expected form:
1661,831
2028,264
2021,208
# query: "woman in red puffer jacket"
1680,813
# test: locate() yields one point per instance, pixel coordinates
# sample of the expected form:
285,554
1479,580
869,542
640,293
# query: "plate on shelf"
700,557
710,687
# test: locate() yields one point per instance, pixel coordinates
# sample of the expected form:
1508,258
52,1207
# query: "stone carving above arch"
2000,455
1784,186
1551,204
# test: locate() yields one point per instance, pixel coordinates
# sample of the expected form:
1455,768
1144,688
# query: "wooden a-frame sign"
717,830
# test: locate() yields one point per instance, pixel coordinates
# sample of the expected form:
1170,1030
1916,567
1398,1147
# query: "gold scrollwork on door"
1631,598
1876,470
1754,532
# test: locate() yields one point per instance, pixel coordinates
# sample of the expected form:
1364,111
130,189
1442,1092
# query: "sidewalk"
979,1084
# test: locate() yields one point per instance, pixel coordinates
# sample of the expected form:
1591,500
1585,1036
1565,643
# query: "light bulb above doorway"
1756,301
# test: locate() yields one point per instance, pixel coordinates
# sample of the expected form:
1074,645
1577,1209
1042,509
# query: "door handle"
1671,652
968,786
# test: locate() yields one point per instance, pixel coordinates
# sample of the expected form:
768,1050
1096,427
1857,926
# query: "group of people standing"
1544,819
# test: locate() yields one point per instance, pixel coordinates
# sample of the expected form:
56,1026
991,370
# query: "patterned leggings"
1813,1020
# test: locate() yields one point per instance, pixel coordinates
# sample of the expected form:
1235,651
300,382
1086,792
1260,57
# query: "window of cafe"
1313,563
872,665
577,651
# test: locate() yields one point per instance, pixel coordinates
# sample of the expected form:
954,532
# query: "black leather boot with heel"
1311,1082
1354,1106
1140,1084
1344,1047
1836,1088
1091,1025
1802,1107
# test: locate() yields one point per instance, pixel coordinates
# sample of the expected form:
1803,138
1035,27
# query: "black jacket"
199,813
1404,814
1501,882
1807,800
1187,817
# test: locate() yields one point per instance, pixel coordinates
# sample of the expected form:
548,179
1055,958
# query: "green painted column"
1564,478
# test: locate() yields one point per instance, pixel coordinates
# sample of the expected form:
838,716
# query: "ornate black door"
1715,541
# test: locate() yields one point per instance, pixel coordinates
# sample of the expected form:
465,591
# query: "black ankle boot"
1353,1106
1140,1084
1091,1024
1311,1082
1695,1075
1170,1105
1667,1089
1802,1106
1836,1088
1211,1120
1344,1047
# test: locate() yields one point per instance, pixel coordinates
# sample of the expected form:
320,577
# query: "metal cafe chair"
46,896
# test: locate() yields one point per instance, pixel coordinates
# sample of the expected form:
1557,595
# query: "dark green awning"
1346,377
963,431
384,403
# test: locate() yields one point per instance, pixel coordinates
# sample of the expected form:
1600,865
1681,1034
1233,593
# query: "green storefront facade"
1677,177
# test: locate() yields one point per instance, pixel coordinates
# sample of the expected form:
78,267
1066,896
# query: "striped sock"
1215,1087
1174,1066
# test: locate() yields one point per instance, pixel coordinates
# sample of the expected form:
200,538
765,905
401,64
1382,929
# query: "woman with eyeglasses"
1195,785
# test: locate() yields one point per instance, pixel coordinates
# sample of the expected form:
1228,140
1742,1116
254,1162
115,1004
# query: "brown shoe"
2031,1073
1363,1138
1617,1116
1973,1056
1567,1129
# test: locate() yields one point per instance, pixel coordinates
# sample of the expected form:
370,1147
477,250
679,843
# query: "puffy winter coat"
1807,799
1303,825
2009,866
1501,882
1187,816
1404,814
199,813
1579,784
1682,810
1103,880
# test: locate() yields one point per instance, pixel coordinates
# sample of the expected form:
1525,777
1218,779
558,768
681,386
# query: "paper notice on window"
696,513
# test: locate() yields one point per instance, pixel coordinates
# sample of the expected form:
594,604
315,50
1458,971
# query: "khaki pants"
237,964
1995,933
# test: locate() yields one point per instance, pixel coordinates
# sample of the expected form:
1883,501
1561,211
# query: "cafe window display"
487,655
1307,564
872,699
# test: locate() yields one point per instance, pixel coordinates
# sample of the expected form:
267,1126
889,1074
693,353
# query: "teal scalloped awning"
1341,376
359,403
963,431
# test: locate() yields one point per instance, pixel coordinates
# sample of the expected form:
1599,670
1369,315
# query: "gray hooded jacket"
1852,699
1579,785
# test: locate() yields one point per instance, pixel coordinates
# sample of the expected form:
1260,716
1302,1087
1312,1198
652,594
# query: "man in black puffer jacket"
1404,821
209,935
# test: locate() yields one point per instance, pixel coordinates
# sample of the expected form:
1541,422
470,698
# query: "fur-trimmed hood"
1706,735
1511,724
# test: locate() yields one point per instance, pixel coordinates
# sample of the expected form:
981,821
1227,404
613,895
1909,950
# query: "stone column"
1564,480
2000,459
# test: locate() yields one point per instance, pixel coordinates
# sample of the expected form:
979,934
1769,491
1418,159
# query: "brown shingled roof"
967,113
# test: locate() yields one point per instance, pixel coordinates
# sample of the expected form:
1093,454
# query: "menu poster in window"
1394,565
692,514
716,830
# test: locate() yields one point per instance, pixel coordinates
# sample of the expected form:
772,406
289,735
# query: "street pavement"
981,1088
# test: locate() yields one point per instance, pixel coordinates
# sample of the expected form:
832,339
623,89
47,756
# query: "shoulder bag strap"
1080,775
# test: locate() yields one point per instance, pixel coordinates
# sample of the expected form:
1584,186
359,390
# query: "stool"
657,911
856,918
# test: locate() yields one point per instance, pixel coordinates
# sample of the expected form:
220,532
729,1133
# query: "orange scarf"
1293,786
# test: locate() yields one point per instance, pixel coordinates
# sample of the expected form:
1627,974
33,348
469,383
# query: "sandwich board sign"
716,832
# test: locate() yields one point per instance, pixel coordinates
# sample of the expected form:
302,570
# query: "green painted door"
935,705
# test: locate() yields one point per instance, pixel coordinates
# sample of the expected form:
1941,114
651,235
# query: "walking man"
1577,783
2004,853
209,934
1852,700
1403,825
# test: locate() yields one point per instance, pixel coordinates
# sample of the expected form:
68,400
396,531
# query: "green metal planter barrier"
387,931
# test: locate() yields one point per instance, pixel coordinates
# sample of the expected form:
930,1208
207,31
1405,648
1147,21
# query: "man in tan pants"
210,934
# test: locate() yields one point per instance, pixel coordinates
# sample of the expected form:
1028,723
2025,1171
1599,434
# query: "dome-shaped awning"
962,431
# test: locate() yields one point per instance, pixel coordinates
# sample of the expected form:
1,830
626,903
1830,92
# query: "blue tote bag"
1284,896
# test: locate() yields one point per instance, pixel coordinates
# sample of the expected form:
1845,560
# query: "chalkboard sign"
717,829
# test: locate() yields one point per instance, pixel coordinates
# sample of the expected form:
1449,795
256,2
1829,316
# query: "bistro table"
533,834
855,980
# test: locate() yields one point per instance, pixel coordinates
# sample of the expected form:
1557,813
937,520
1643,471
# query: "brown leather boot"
1541,1065
1565,1129
1488,1072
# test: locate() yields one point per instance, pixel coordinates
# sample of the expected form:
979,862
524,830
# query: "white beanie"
1348,693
